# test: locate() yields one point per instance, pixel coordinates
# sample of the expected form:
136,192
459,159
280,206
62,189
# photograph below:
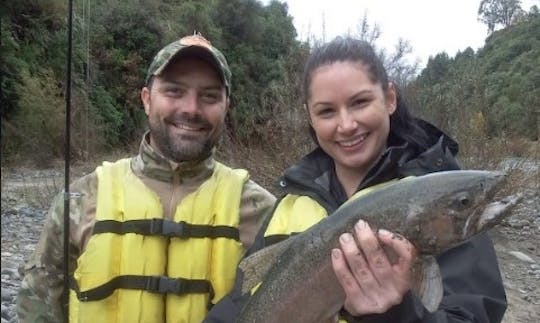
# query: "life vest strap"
166,228
153,284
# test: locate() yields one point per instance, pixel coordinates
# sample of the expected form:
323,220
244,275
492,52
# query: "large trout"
434,212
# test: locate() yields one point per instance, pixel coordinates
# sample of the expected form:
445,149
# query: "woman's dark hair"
340,49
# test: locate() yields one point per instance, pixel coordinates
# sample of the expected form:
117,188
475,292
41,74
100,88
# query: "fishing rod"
67,153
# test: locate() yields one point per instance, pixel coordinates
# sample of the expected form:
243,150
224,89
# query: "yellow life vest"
297,213
139,267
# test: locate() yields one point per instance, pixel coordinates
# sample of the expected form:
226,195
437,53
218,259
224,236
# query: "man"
156,237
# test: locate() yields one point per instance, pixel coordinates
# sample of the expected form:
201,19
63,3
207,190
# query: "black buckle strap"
164,285
153,284
167,228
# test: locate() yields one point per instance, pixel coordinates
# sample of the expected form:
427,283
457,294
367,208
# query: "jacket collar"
154,165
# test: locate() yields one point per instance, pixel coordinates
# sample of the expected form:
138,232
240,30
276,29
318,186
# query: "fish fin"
255,266
428,282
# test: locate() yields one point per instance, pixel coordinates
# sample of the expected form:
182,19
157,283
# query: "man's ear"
145,98
227,104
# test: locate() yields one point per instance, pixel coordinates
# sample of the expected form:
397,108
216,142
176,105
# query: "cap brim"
199,53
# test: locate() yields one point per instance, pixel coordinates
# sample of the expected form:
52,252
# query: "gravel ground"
26,194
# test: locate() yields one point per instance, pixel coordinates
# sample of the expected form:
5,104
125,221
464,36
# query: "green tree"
498,85
124,39
259,42
499,12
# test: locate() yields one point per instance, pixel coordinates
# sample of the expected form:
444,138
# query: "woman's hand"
372,283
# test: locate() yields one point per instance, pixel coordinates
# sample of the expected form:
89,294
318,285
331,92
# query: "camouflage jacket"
40,296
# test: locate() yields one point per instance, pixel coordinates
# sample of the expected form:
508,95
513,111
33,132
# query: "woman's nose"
346,122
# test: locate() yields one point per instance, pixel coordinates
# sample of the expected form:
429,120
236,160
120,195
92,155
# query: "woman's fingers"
402,248
356,261
375,256
343,273
356,302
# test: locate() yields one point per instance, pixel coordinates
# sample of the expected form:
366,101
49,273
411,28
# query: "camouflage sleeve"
256,205
40,296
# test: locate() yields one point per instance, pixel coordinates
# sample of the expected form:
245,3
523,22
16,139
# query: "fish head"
486,210
462,206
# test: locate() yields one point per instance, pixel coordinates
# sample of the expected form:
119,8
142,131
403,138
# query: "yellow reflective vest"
297,213
139,267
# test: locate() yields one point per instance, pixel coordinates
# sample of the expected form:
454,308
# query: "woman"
366,136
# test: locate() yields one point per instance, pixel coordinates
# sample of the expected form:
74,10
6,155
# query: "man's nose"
190,103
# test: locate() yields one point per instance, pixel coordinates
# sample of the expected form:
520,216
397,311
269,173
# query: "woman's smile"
352,143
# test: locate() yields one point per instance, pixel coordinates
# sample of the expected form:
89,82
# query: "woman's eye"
360,103
326,112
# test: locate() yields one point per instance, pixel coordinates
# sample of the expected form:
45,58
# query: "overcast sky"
431,26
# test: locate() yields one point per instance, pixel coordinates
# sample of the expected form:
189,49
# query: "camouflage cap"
197,46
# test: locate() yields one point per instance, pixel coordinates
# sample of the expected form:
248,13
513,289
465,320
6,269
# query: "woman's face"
350,114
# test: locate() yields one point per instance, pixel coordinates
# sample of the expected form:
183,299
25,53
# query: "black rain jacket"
473,288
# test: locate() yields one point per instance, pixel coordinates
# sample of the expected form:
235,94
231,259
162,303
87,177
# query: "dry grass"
519,158
490,153
272,148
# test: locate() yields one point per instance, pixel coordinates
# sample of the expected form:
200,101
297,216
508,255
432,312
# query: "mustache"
187,119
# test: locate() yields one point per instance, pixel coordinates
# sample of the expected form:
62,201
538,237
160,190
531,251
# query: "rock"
521,256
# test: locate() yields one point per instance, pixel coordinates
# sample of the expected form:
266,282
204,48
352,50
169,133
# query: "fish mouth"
494,212
485,215
491,215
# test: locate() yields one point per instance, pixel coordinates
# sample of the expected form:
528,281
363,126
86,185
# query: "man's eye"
210,96
173,90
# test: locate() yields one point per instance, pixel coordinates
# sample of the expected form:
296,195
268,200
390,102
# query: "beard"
185,147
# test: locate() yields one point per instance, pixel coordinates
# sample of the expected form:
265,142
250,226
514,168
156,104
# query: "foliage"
33,62
499,12
493,93
262,52
490,93
113,43
39,120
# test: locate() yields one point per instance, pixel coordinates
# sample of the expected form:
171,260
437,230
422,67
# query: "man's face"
186,107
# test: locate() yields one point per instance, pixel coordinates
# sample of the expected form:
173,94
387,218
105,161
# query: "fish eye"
462,200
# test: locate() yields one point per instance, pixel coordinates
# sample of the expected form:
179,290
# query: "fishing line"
65,292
